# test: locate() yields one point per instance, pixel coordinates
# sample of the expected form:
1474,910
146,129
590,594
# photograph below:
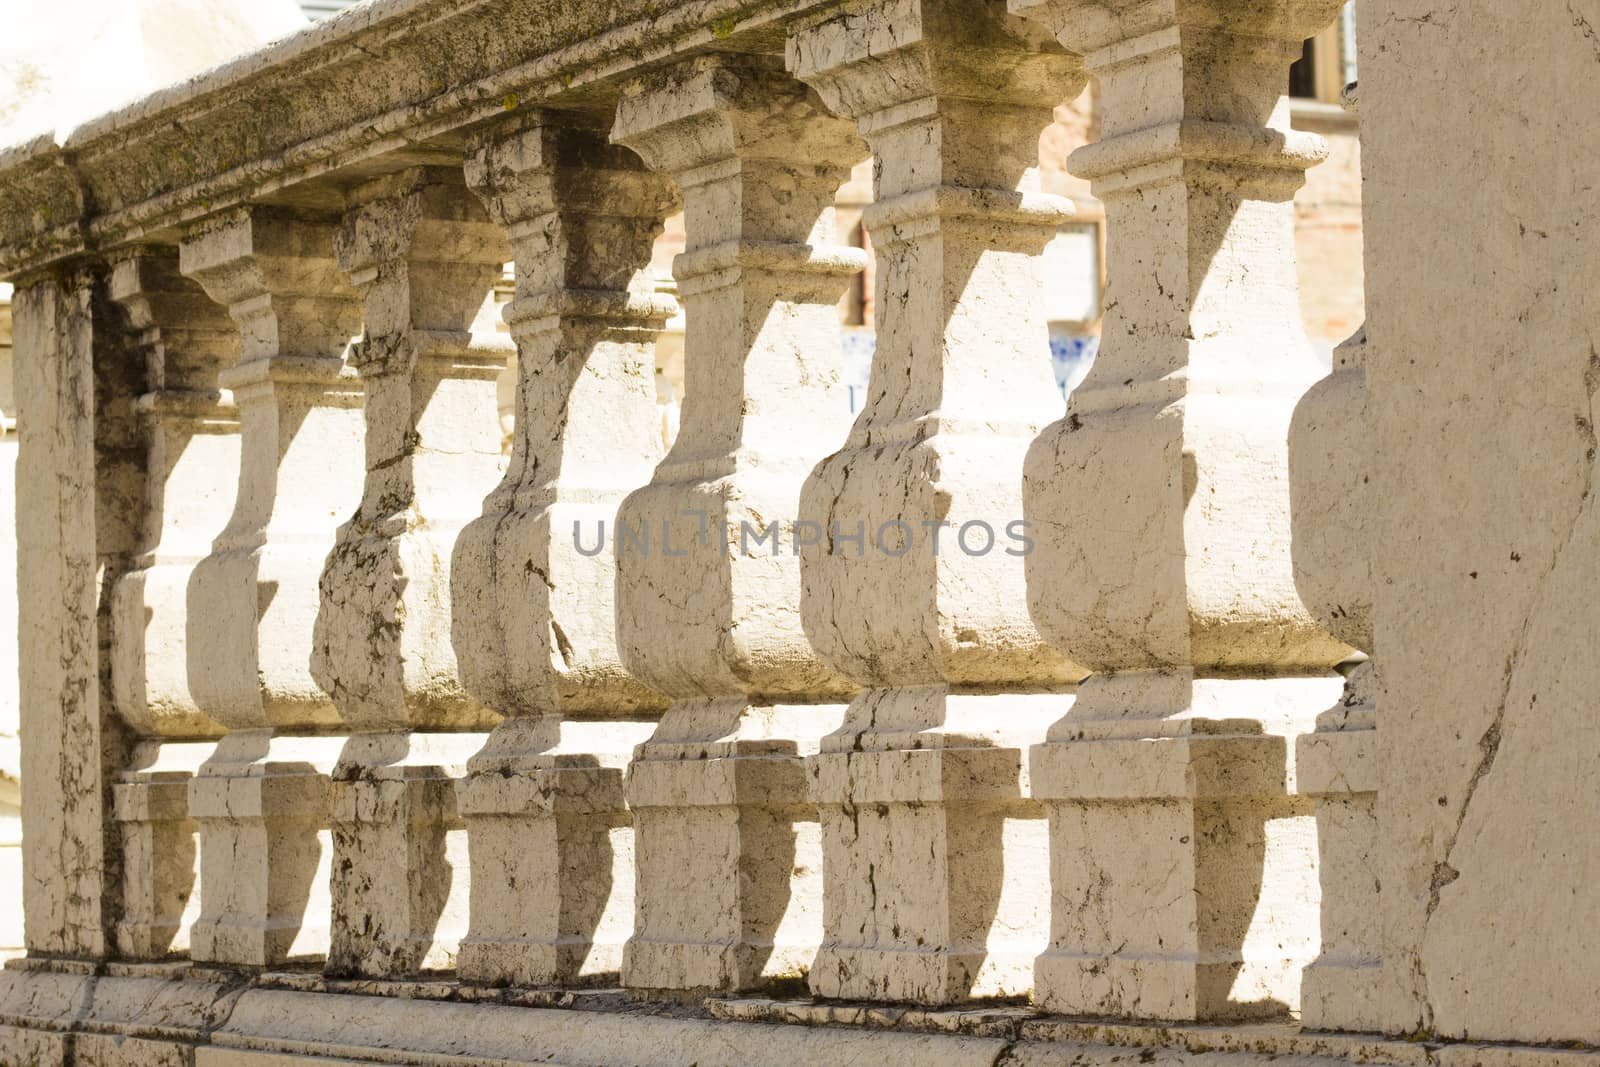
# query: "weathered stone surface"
400,868
729,863
1162,508
1331,464
147,1018
85,464
1485,555
261,800
59,64
918,782
533,623
140,1018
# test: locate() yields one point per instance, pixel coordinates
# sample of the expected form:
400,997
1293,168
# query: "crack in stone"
1585,27
1445,873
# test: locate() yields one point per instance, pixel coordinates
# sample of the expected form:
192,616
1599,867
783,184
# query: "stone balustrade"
976,696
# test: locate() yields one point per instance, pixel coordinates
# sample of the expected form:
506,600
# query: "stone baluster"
933,856
261,800
532,579
727,846
1330,466
192,470
1183,867
423,253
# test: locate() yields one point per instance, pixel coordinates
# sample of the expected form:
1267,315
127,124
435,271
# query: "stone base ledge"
1048,1040
131,1016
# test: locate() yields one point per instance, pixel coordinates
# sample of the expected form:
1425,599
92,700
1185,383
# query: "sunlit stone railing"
974,697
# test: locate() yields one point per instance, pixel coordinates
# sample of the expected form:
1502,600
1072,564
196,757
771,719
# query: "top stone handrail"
401,79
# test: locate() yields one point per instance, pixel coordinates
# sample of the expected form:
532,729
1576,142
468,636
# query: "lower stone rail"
178,1015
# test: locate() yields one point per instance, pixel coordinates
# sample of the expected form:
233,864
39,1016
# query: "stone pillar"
1183,868
1484,402
11,937
729,858
261,800
532,579
425,256
191,473
914,586
69,857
